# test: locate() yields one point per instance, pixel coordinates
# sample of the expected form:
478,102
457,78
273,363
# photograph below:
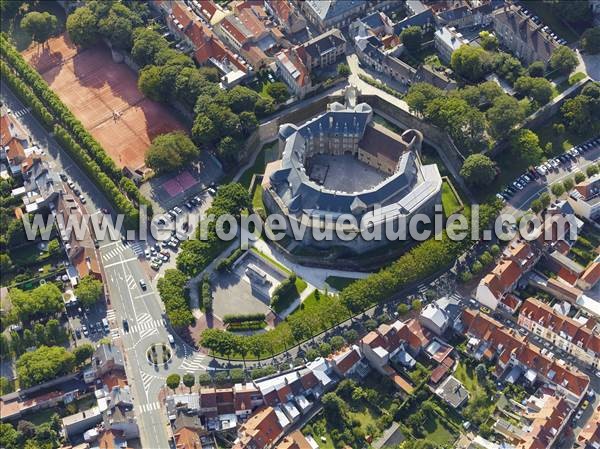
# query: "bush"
226,264
283,294
557,189
227,319
579,177
207,296
172,291
476,267
86,151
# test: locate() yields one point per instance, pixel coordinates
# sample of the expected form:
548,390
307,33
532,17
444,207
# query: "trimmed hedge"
26,95
225,264
101,180
207,296
62,115
227,319
246,326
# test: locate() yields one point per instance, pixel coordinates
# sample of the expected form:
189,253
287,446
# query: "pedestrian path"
145,325
150,407
195,363
115,334
146,381
137,247
21,112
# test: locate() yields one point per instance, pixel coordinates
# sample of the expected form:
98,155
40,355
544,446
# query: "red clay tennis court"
104,96
179,183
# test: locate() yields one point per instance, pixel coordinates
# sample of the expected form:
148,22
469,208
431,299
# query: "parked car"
171,339
78,333
189,205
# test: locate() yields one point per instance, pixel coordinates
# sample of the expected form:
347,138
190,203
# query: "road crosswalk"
146,380
111,317
119,248
195,363
145,325
150,407
21,112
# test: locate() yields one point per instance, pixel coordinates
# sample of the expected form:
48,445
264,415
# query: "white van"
105,325
171,339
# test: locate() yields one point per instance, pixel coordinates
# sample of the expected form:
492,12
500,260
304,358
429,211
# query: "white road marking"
150,407
195,363
122,262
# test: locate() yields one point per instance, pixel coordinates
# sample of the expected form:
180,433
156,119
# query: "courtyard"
236,292
344,173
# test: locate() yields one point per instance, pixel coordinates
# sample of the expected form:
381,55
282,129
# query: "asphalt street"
143,309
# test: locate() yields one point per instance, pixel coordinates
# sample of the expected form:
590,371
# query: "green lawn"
311,302
544,12
257,199
338,282
22,39
560,142
468,378
450,202
268,153
437,432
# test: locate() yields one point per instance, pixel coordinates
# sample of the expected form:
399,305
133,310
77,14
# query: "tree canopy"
470,62
412,38
43,364
478,170
170,152
504,115
539,90
590,40
278,91
82,26
41,301
564,60
89,290
41,25
525,145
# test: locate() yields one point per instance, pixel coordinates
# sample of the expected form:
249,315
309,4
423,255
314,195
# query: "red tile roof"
346,360
260,430
229,24
508,343
546,424
182,14
186,438
592,274
590,434
15,152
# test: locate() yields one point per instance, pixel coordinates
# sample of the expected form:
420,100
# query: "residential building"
585,198
447,40
590,276
293,71
328,14
545,419
465,16
294,440
260,431
394,341
589,437
568,334
517,259
522,35
13,142
74,425
424,19
514,355
347,361
287,15
187,429
42,185
207,47
434,318
452,392
107,358
323,50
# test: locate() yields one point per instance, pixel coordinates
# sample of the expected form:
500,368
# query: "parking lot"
546,171
86,323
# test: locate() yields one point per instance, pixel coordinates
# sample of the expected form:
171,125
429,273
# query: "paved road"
521,201
142,309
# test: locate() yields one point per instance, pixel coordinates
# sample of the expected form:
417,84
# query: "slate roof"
328,9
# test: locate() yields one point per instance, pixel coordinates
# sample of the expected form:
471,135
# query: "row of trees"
172,289
474,63
27,435
82,146
113,21
49,334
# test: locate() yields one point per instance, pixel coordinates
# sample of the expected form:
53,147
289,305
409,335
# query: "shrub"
579,177
243,317
283,294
